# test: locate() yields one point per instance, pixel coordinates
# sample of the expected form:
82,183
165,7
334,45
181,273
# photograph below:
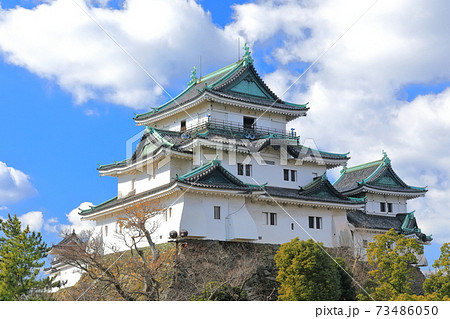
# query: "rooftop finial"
247,55
193,76
386,159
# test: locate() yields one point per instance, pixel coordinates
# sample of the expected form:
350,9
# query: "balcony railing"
237,129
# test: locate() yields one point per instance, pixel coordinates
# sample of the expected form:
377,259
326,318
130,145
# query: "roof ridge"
221,70
361,166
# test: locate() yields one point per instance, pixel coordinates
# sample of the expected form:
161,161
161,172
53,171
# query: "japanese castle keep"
220,161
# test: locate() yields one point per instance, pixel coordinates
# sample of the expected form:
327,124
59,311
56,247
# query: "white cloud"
51,225
3,208
69,43
75,220
14,184
34,220
354,88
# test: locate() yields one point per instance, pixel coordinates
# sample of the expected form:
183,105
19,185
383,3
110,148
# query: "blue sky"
68,92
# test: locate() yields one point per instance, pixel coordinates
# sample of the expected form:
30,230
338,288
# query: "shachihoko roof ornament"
247,55
193,76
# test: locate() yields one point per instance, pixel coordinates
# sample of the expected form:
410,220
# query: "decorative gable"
249,86
387,179
213,175
246,83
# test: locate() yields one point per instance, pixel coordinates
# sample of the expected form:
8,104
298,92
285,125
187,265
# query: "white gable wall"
374,200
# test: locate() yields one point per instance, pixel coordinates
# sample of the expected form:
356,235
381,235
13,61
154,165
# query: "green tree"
348,291
393,256
438,283
21,258
306,272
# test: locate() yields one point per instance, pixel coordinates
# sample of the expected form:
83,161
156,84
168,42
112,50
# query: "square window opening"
249,122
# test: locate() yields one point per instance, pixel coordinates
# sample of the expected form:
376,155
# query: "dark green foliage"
21,258
307,272
216,291
438,283
348,291
393,256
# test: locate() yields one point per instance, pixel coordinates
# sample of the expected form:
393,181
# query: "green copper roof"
213,175
409,226
238,81
378,175
199,169
94,207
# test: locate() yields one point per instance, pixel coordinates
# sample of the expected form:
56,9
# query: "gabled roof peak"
377,176
383,161
238,83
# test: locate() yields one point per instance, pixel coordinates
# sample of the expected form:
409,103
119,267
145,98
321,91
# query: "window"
293,175
319,222
170,212
389,207
248,170
216,212
286,174
269,162
183,126
311,221
249,122
240,169
270,218
292,226
106,231
290,174
315,222
273,219
244,167
382,207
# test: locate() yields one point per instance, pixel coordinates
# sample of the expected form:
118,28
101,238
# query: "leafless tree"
134,274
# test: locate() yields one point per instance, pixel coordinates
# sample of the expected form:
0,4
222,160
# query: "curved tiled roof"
401,223
222,84
320,189
376,176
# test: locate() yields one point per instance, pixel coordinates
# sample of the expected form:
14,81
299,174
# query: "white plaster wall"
219,111
374,200
179,166
235,222
192,116
114,239
292,214
124,185
144,181
161,176
359,236
265,173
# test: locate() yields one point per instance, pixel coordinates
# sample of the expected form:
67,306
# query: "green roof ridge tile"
227,75
156,109
83,211
221,70
199,169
